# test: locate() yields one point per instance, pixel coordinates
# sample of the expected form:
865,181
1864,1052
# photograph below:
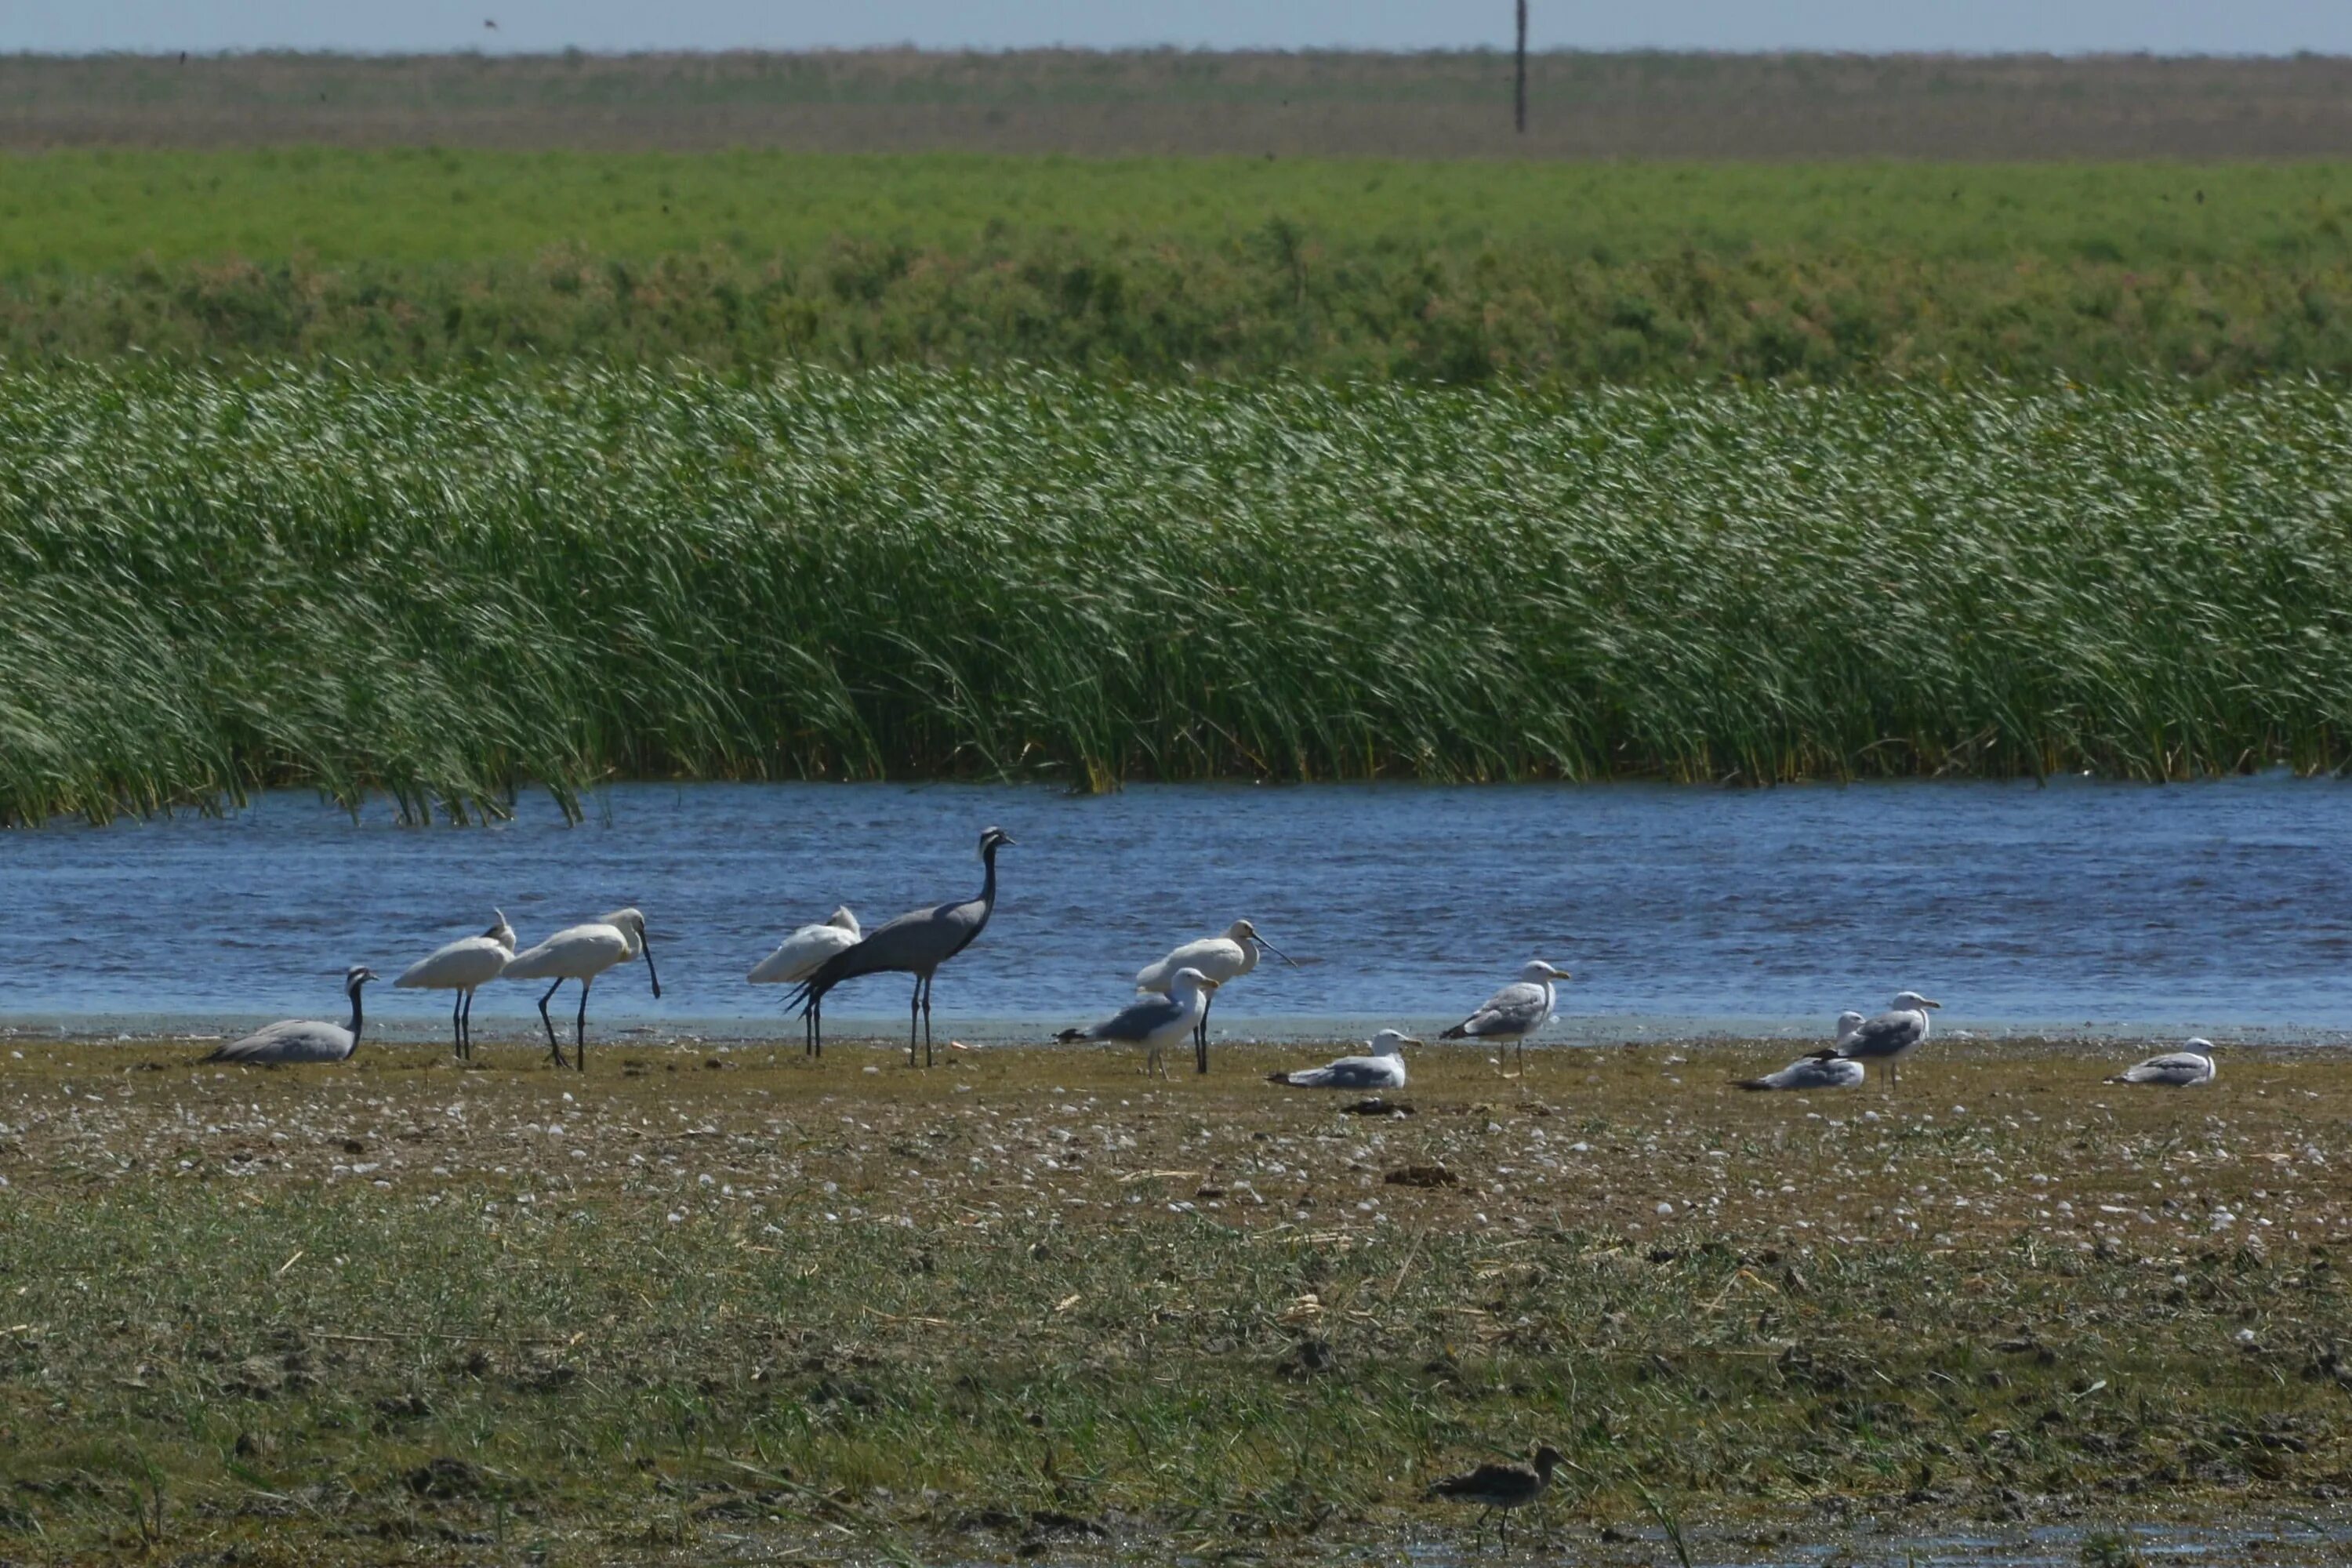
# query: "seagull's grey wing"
2177,1068
1139,1020
1883,1035
1514,1009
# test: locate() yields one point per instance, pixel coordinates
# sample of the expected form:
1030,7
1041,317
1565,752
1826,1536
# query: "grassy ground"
1322,104
1574,273
451,589
740,1307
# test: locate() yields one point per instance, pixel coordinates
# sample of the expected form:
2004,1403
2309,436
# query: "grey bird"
1155,1022
2191,1067
1811,1072
1514,1012
303,1039
1888,1037
916,944
1221,958
1499,1489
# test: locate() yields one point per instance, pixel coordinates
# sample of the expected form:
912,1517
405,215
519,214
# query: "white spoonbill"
581,953
1155,1022
463,966
2191,1067
1888,1037
800,954
1218,958
1517,1011
303,1039
1383,1067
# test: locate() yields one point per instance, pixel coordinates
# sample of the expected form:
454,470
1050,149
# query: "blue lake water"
2079,906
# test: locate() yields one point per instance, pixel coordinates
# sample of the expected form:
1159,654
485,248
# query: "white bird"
1219,958
1383,1068
1888,1037
1517,1011
581,953
1153,1022
2192,1067
463,966
303,1039
1847,1023
1810,1072
798,957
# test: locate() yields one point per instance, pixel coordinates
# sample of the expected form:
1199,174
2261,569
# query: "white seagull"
463,966
303,1039
581,953
802,951
1888,1037
1512,1013
1811,1072
1217,958
1383,1068
2191,1067
1155,1022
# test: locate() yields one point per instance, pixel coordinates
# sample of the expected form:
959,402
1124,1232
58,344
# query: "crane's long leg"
552,1048
914,1015
580,1047
928,979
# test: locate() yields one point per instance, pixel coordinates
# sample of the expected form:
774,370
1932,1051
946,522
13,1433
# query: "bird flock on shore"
1172,1002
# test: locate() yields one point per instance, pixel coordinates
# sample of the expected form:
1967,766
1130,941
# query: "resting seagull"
1383,1068
2191,1067
1155,1022
1888,1037
303,1039
1512,1013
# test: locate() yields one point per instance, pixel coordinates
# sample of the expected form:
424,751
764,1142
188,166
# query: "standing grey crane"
916,944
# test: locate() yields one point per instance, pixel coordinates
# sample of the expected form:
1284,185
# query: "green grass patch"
451,588
1577,273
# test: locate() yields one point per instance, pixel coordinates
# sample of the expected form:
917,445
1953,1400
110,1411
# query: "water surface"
2078,906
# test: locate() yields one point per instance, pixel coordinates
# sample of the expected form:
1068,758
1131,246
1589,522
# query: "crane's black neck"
355,1024
987,886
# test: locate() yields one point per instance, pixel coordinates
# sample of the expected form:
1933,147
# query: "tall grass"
450,588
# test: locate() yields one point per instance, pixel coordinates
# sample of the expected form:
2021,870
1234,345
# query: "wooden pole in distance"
1520,86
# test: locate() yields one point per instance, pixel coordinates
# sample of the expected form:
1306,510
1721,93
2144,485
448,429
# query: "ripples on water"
2078,905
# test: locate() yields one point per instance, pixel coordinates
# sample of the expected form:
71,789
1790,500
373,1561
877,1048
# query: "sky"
2064,26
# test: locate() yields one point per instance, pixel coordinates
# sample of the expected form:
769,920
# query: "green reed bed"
451,588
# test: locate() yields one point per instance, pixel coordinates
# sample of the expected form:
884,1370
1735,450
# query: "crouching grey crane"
916,944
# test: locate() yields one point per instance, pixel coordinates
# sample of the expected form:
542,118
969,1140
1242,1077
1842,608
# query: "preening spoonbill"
463,966
1219,958
1153,1022
915,944
303,1039
1382,1069
581,953
800,954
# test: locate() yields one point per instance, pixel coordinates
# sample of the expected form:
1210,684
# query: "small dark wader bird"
1499,1489
582,952
916,944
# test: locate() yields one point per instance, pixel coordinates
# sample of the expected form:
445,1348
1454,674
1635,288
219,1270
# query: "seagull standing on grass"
464,966
1888,1037
2191,1067
302,1040
1512,1013
1383,1068
1219,958
1155,1022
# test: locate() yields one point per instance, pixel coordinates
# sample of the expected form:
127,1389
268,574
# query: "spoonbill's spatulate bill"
799,954
303,1039
915,944
581,953
2191,1067
1219,958
1499,1489
463,966
1382,1068
1155,1022
1889,1037
1517,1011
